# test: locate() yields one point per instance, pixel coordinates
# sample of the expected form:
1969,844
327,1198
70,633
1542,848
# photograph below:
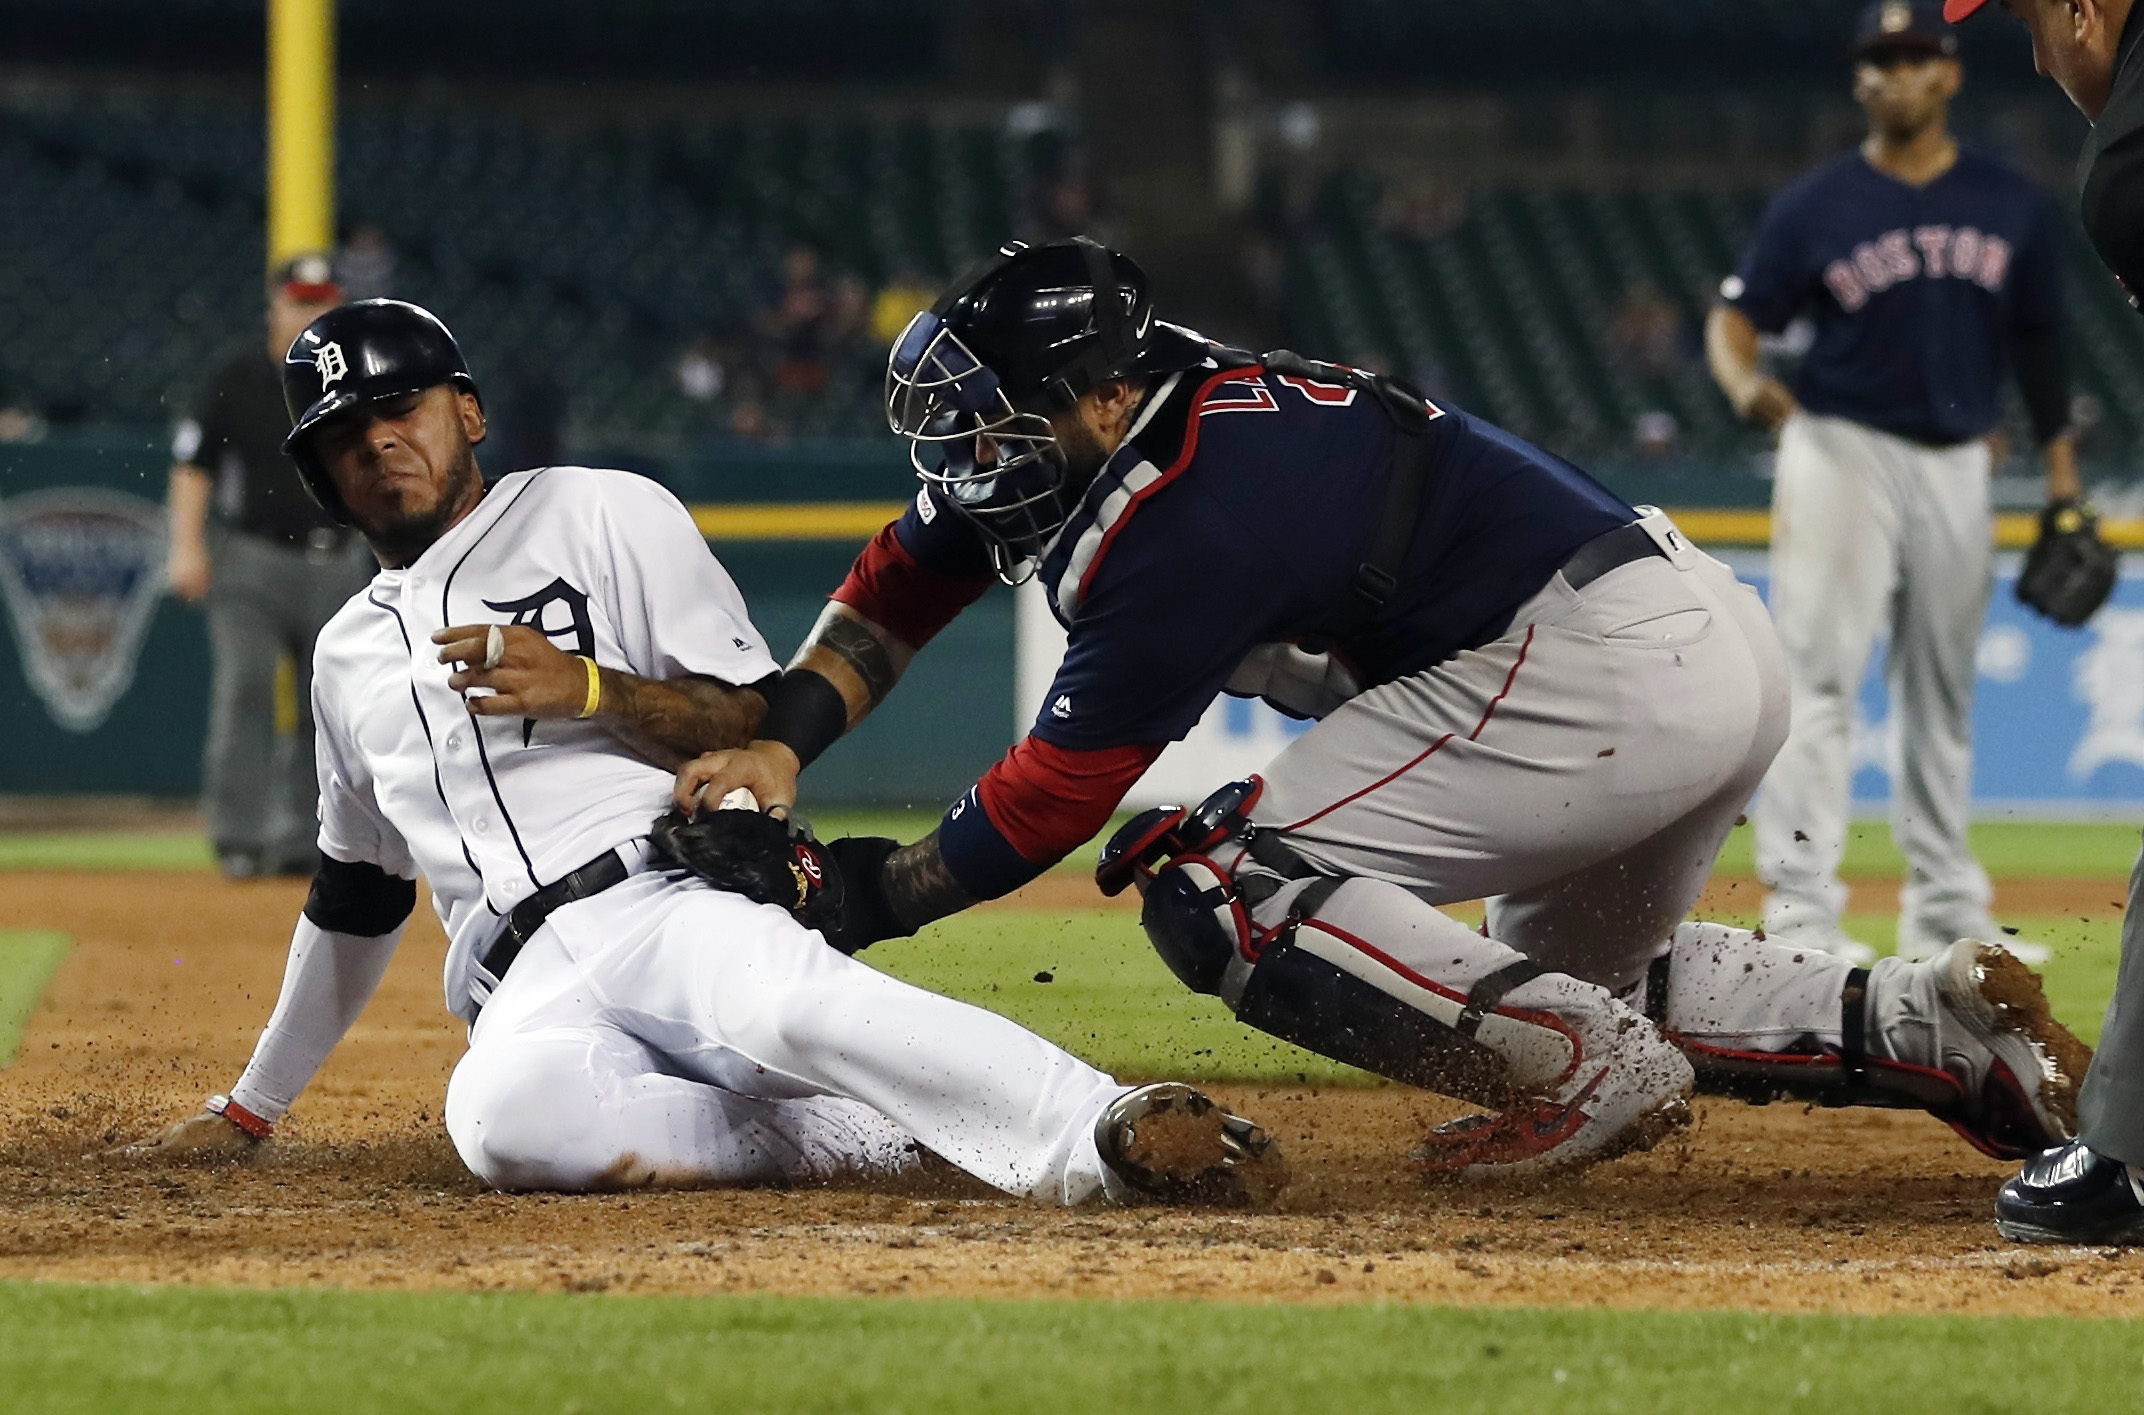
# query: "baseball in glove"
777,860
2069,572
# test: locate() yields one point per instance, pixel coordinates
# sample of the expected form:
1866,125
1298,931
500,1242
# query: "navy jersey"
1920,295
1237,513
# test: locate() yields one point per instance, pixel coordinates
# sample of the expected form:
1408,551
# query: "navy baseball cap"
1913,26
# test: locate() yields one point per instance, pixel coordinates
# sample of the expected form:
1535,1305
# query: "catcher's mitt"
2069,572
777,860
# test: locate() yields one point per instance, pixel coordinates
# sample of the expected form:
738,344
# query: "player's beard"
400,540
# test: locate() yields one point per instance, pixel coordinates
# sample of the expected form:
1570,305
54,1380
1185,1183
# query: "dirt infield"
1767,1208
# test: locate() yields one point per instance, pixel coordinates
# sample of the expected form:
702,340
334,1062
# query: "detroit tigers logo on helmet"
330,363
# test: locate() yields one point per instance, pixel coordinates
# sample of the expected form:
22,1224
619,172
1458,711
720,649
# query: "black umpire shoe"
2072,1194
1170,1142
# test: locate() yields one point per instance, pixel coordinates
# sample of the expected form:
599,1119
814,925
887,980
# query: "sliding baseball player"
491,710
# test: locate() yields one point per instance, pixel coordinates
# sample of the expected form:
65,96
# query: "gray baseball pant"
1873,534
1580,774
2110,1111
267,600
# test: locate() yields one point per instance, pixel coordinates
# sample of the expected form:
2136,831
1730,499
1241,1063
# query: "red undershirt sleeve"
893,589
1036,806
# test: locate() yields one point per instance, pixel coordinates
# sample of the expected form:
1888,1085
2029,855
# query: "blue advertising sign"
2058,714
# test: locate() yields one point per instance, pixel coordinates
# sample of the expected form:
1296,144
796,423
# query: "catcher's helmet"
355,354
1021,336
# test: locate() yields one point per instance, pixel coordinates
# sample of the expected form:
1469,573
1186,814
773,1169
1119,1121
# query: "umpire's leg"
244,644
2110,1111
321,582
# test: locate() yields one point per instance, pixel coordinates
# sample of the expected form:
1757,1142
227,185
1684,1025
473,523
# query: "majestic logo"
1062,708
330,364
2109,677
81,569
570,628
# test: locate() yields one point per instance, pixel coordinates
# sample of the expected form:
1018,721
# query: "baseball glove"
777,860
2069,572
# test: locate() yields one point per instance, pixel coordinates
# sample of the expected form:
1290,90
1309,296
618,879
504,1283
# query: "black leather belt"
526,917
1610,551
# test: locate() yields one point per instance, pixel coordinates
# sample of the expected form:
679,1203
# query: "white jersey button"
483,825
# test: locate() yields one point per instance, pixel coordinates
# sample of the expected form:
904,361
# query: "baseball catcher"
1522,689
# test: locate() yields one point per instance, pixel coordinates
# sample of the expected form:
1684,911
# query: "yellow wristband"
595,686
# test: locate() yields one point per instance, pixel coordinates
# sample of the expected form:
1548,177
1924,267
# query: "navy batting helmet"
357,354
1019,337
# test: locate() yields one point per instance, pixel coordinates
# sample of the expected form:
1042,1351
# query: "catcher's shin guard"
2008,1073
1308,982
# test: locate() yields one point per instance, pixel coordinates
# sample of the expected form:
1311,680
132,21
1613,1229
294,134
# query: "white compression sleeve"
326,984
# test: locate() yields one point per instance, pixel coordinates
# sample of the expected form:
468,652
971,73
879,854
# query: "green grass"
27,960
2008,849
1109,999
105,850
75,1349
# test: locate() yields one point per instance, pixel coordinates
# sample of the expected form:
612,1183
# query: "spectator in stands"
1656,431
1422,210
701,371
273,568
366,266
1646,335
799,323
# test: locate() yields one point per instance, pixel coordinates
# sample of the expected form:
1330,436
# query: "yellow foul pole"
301,127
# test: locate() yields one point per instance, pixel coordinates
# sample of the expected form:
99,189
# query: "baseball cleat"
1620,1099
2072,1194
1171,1142
2018,1068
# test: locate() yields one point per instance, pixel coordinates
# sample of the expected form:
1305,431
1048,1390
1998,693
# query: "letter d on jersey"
80,569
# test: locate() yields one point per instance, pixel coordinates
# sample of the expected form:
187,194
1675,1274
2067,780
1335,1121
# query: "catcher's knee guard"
1311,986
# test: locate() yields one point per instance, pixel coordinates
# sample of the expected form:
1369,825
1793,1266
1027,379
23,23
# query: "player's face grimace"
405,466
1904,93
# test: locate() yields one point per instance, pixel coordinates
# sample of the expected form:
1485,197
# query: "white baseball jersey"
490,809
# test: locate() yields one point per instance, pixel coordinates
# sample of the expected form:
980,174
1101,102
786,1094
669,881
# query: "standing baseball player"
1928,270
1525,691
2091,1190
491,708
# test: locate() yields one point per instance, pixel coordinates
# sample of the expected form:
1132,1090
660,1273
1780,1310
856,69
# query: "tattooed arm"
667,720
918,887
862,660
846,667
672,720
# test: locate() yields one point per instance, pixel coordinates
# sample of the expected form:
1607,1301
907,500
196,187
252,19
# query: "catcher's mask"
972,382
357,354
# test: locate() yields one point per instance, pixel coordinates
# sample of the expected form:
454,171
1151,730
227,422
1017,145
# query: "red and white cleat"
1629,1089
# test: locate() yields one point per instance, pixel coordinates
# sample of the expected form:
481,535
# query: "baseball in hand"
741,799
